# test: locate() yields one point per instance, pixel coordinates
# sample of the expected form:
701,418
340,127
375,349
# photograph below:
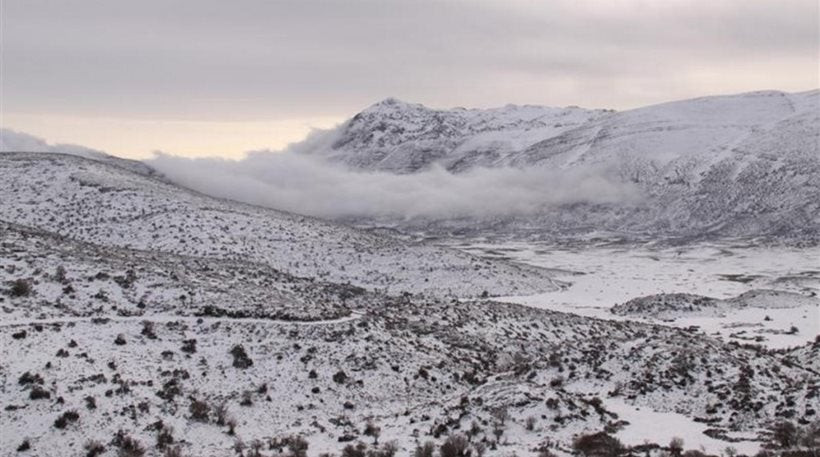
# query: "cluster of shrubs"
784,439
128,446
288,446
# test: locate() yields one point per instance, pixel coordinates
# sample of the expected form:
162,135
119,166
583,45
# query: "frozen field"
599,277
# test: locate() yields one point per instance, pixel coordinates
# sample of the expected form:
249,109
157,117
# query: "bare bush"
455,446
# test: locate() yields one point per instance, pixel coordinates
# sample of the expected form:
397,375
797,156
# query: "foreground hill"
104,204
103,345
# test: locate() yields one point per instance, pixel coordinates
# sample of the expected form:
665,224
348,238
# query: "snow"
600,277
646,425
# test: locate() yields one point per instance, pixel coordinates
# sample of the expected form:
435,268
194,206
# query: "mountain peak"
392,103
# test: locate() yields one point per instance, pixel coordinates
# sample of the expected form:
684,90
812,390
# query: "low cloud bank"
298,181
14,141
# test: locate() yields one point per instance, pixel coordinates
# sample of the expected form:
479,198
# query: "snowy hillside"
99,203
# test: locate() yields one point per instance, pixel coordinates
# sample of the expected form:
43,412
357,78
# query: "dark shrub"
60,273
20,288
240,357
357,450
425,450
165,436
129,447
199,411
38,393
93,448
340,377
189,346
371,429
172,451
170,390
676,446
66,418
148,330
455,446
28,378
24,446
784,434
598,445
297,446
387,450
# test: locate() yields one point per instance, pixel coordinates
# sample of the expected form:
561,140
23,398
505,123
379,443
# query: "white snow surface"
780,282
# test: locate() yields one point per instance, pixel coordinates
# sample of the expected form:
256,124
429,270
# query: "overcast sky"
218,77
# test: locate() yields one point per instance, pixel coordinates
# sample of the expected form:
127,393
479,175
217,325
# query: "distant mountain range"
744,165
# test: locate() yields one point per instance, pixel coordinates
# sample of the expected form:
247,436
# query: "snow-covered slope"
108,205
78,341
736,165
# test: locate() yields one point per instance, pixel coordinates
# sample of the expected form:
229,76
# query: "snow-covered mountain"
735,165
404,138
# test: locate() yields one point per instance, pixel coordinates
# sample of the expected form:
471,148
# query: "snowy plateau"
141,314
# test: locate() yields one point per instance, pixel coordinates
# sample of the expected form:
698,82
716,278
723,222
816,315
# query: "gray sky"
218,77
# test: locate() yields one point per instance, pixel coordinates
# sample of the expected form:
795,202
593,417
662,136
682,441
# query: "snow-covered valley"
601,276
141,317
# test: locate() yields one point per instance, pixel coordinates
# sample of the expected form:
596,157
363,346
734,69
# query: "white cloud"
297,181
13,141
